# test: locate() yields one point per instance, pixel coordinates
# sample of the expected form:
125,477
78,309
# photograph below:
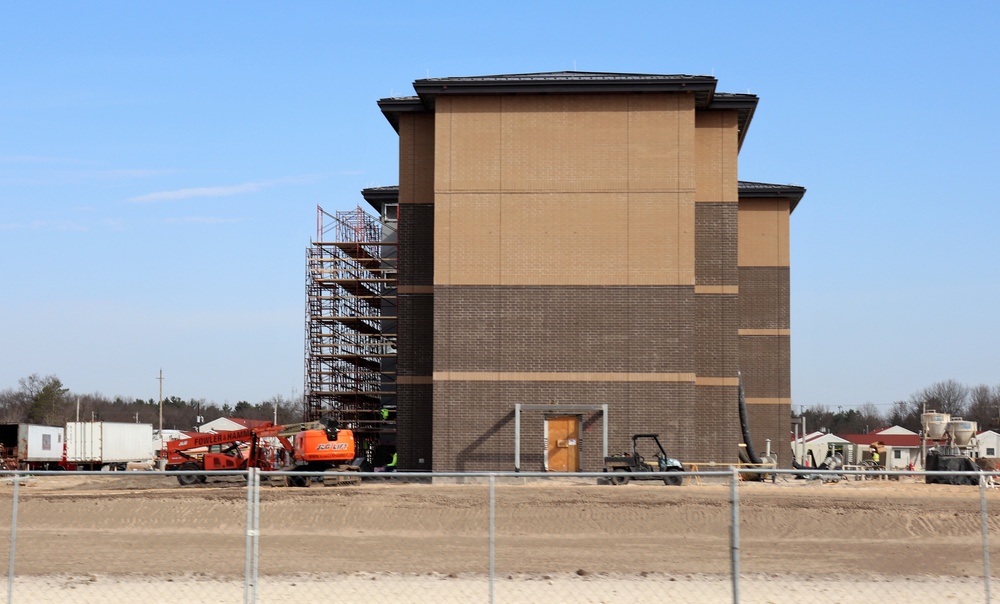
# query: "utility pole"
161,408
923,438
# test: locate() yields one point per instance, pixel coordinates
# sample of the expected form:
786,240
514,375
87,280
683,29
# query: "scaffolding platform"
350,357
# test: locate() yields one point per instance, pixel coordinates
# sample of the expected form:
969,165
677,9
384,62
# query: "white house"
230,423
819,443
988,444
902,447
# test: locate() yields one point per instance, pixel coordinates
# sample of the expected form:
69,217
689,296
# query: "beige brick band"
717,289
769,401
716,381
765,332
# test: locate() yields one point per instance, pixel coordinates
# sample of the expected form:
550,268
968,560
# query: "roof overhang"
763,190
743,104
571,82
392,108
379,197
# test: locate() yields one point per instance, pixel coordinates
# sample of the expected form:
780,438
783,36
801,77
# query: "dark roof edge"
577,85
379,197
392,107
743,104
763,190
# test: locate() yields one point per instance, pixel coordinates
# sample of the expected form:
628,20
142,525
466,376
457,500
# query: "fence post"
255,486
248,548
984,521
734,499
13,541
492,532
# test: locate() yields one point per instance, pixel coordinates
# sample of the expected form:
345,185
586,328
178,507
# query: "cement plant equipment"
935,424
962,431
950,453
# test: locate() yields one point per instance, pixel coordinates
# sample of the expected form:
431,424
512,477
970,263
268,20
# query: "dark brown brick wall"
766,359
771,422
716,325
415,337
415,433
416,244
716,424
564,328
715,244
474,421
765,362
764,297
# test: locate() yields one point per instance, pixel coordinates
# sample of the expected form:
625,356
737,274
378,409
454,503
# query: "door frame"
557,410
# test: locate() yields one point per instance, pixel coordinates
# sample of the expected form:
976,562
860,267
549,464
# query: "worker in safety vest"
391,467
875,456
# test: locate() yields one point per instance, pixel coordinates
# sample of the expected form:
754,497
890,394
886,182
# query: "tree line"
980,404
44,400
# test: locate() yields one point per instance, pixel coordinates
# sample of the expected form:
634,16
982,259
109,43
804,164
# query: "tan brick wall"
763,238
467,144
716,147
565,190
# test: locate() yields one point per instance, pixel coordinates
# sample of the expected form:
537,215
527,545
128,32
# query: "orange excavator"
308,447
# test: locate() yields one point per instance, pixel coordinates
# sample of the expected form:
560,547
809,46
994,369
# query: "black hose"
745,424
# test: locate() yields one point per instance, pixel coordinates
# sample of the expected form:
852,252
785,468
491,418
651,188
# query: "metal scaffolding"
350,356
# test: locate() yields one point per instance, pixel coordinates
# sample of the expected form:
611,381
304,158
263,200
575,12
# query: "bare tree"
903,414
944,397
984,406
871,416
13,406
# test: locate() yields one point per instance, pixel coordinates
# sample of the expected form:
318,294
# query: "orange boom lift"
309,447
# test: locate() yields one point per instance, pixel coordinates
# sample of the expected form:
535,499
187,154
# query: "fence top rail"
401,474
510,474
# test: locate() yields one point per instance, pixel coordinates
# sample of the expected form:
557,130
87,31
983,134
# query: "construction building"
578,261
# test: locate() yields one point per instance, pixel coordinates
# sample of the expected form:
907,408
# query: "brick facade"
583,246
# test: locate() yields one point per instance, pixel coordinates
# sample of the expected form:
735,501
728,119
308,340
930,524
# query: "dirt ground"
601,543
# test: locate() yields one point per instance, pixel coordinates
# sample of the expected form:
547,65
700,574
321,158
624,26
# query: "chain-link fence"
733,535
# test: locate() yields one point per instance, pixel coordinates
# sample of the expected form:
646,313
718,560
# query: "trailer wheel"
618,479
189,479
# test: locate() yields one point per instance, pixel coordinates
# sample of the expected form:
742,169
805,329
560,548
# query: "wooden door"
563,442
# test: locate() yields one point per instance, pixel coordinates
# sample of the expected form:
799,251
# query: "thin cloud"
220,191
224,191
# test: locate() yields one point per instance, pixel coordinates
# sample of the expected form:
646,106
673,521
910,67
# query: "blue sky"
160,164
